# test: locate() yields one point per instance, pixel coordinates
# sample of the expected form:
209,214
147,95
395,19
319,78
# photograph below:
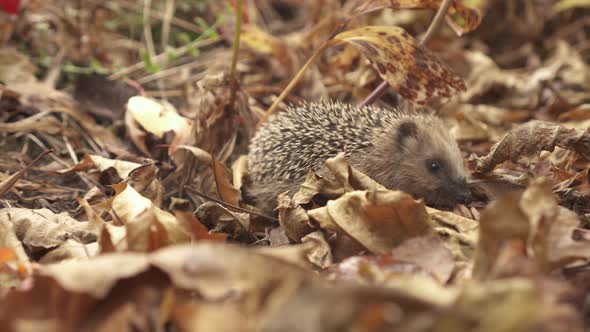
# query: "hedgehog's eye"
433,165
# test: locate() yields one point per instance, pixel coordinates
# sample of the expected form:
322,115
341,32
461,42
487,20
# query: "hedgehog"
402,150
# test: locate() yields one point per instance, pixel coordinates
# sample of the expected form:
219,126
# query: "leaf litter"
141,218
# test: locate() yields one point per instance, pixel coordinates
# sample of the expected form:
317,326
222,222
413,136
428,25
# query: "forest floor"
125,125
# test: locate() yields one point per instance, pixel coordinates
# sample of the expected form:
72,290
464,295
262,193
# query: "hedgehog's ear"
406,130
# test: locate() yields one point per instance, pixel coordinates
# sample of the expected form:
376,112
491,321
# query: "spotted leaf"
413,71
461,18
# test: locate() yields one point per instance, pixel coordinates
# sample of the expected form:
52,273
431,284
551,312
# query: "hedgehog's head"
425,161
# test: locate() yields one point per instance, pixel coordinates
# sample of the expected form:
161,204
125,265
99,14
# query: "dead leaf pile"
119,211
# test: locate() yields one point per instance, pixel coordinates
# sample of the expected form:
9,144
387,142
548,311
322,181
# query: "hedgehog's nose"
464,198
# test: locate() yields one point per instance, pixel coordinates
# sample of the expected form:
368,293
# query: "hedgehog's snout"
464,198
449,194
462,192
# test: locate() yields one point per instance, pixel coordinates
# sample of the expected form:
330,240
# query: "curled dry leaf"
344,178
293,218
533,219
147,226
157,118
225,189
320,253
350,178
315,185
528,140
413,71
462,19
378,220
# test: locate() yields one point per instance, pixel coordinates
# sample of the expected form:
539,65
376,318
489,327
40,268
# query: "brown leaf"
528,140
533,222
315,185
199,231
226,191
148,227
429,253
42,228
293,218
413,71
379,220
350,178
320,254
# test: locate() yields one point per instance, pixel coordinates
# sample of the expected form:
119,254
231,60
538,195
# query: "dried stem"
147,28
294,82
434,25
166,22
227,205
11,180
233,76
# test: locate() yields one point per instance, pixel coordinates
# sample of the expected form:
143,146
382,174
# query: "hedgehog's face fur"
424,161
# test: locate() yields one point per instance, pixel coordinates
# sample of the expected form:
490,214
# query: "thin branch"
175,20
293,82
227,205
147,28
233,75
434,25
11,180
166,21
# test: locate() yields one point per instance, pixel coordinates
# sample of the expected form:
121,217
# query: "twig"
168,14
227,205
11,180
174,20
233,76
55,69
147,28
293,82
164,56
434,25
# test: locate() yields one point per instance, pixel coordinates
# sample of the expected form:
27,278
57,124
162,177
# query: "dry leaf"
528,140
293,218
413,71
226,191
379,220
148,227
158,118
122,167
43,229
462,18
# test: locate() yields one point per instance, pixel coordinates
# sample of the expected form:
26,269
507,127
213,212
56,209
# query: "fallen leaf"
528,140
378,220
413,71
